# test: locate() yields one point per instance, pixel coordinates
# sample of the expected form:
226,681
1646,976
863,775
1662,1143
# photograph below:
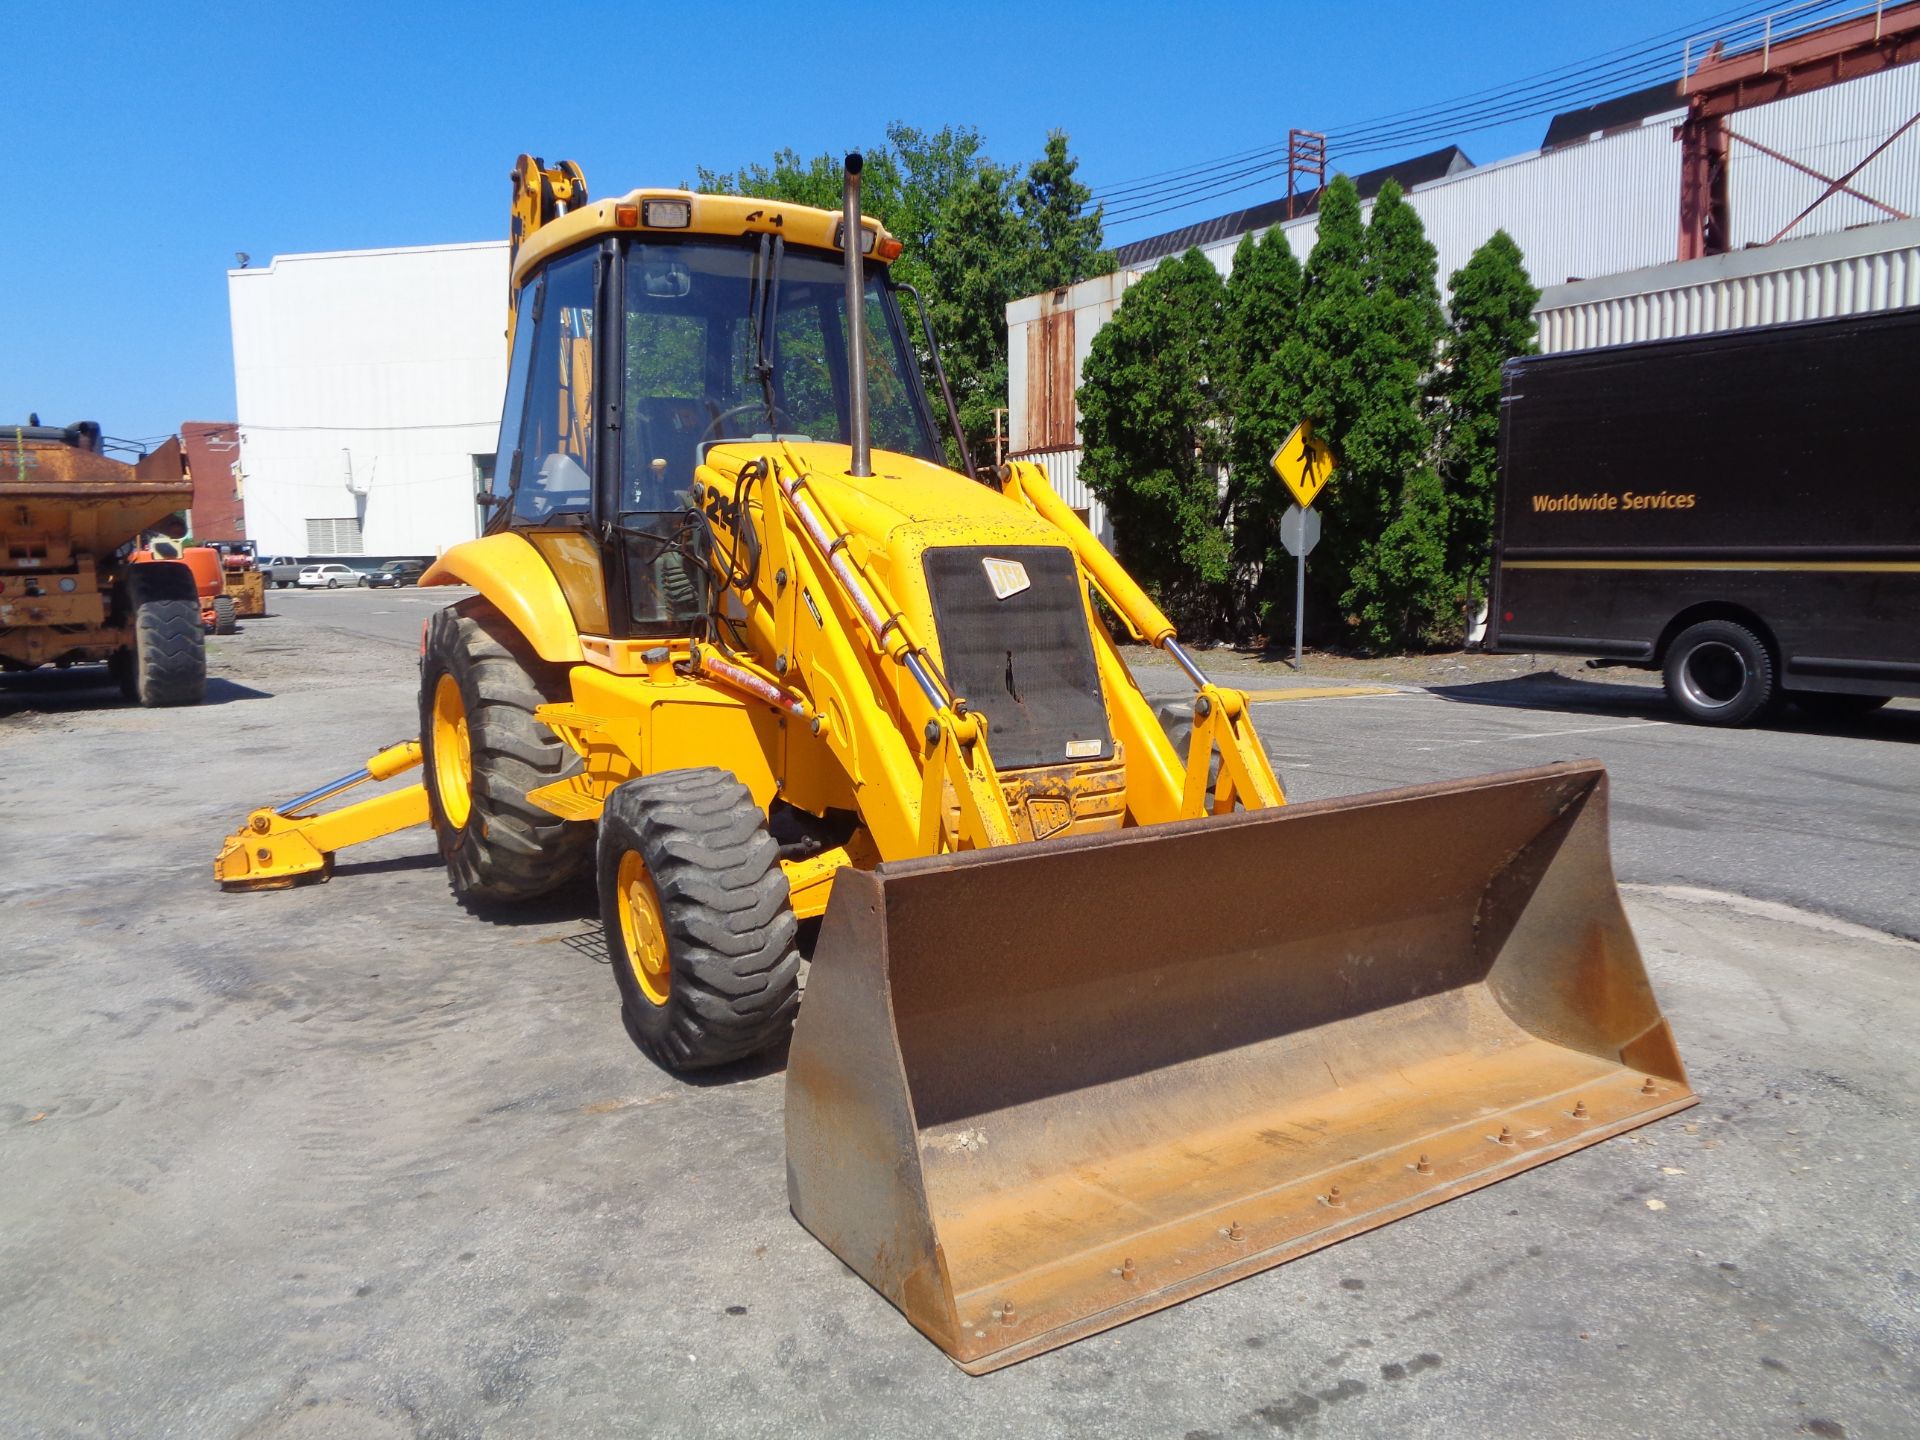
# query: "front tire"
1720,673
699,924
225,616
480,682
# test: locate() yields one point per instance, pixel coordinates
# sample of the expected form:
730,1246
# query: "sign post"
1304,465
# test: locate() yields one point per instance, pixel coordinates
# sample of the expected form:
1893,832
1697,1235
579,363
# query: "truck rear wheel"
480,682
1720,673
225,616
167,662
699,923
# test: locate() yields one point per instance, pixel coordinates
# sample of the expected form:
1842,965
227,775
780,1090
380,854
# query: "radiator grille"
1024,661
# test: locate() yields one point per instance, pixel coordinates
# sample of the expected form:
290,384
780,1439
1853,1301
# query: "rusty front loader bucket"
1038,1091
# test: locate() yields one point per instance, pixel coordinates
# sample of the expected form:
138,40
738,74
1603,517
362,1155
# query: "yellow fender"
519,582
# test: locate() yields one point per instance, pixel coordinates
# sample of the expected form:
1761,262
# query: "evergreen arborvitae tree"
1153,448
1327,358
1492,322
1066,240
1263,301
1399,592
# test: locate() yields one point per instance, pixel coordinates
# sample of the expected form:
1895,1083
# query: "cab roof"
729,215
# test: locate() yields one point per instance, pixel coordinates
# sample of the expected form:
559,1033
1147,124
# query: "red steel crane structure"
1777,57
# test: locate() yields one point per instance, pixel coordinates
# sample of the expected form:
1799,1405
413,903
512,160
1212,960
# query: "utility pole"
999,436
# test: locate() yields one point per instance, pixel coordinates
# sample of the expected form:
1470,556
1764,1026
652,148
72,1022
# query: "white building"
1594,202
369,386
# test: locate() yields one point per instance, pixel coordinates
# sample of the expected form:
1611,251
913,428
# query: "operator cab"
712,338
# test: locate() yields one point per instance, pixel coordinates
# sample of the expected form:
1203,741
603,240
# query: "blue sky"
152,142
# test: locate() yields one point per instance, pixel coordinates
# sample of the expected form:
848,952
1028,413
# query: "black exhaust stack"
852,236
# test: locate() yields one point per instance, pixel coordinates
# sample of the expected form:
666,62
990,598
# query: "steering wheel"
773,412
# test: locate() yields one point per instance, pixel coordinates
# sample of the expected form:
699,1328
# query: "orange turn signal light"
889,249
626,216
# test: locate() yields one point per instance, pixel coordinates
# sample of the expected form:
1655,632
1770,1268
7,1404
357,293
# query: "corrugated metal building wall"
1595,208
1873,268
386,366
1831,130
1048,338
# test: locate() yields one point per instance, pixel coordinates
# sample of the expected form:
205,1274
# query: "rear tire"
225,616
499,846
167,662
1720,673
699,924
332,584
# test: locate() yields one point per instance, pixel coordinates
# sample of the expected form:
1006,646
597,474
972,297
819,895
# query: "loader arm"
842,635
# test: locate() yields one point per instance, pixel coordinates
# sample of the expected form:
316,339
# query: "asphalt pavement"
346,1161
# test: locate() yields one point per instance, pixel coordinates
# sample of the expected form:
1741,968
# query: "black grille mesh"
1025,662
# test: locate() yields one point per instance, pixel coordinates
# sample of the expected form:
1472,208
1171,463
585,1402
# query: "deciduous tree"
975,234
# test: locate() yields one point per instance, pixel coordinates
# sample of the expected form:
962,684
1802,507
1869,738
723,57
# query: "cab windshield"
746,339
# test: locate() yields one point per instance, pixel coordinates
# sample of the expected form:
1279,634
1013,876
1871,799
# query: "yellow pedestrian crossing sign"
1304,463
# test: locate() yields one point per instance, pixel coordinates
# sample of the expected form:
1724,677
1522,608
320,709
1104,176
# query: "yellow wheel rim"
452,755
643,929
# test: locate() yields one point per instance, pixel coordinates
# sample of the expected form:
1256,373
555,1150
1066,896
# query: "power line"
1581,82
1575,69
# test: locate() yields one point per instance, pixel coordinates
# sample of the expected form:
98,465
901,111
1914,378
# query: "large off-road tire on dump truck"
167,662
480,682
699,923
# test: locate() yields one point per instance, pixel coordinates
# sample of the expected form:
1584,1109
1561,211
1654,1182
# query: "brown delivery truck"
1740,511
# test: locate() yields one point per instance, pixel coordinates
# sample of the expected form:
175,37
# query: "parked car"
331,577
395,572
280,571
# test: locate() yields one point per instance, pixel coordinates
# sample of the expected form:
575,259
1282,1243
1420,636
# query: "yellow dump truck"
71,591
1092,1020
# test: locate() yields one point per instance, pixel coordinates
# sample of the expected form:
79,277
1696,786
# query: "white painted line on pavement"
1545,734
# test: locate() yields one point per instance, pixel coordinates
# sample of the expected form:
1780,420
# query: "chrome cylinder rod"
325,792
1185,662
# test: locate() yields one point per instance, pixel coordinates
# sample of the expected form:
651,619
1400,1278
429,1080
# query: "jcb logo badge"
1007,577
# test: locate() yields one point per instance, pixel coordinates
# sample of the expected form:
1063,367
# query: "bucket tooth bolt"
1423,1165
1234,1233
1007,1312
1126,1271
1579,1109
1505,1137
1334,1197
1649,1088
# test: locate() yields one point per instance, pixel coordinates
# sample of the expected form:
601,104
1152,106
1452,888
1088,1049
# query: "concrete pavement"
344,1161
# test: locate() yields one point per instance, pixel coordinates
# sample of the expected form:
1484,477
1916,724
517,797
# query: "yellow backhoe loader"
1093,1021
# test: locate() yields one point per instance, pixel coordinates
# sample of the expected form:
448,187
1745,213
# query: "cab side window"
507,452
555,473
